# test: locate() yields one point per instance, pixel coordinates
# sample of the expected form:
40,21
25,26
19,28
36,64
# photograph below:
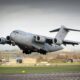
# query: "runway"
52,76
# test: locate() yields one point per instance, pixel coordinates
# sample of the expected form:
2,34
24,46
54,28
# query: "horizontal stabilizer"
55,30
67,29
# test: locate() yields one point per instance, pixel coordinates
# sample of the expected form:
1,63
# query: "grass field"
54,69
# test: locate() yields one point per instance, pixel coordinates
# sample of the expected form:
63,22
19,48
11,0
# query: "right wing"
65,42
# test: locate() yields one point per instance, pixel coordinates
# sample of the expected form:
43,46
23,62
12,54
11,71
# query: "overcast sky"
40,16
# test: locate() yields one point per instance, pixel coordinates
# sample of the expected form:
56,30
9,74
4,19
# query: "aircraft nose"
12,35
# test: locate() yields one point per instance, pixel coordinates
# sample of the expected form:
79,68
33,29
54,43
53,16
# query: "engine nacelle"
39,39
2,40
56,41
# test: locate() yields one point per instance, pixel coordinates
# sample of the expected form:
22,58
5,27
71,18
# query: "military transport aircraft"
29,43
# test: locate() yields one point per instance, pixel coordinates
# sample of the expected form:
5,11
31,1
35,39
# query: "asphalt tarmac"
52,76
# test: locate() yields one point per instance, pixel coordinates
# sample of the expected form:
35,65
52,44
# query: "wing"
65,42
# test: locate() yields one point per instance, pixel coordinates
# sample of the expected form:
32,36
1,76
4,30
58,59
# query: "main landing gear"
27,51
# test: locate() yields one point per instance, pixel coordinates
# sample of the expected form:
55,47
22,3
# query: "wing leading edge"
65,42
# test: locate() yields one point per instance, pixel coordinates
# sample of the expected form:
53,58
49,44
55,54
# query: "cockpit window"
15,31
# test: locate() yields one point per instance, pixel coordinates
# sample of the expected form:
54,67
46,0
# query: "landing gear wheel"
42,52
27,51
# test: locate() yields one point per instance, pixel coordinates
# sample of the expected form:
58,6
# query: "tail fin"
62,32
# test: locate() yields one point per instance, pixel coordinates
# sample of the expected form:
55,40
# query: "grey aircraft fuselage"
27,41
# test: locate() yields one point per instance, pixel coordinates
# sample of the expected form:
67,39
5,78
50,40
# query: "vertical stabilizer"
62,33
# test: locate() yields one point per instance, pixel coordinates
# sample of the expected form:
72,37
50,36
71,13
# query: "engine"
56,41
2,40
49,41
8,38
39,39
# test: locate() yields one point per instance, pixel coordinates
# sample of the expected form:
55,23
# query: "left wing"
65,42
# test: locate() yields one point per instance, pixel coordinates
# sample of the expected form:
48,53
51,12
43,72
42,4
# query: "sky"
39,17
